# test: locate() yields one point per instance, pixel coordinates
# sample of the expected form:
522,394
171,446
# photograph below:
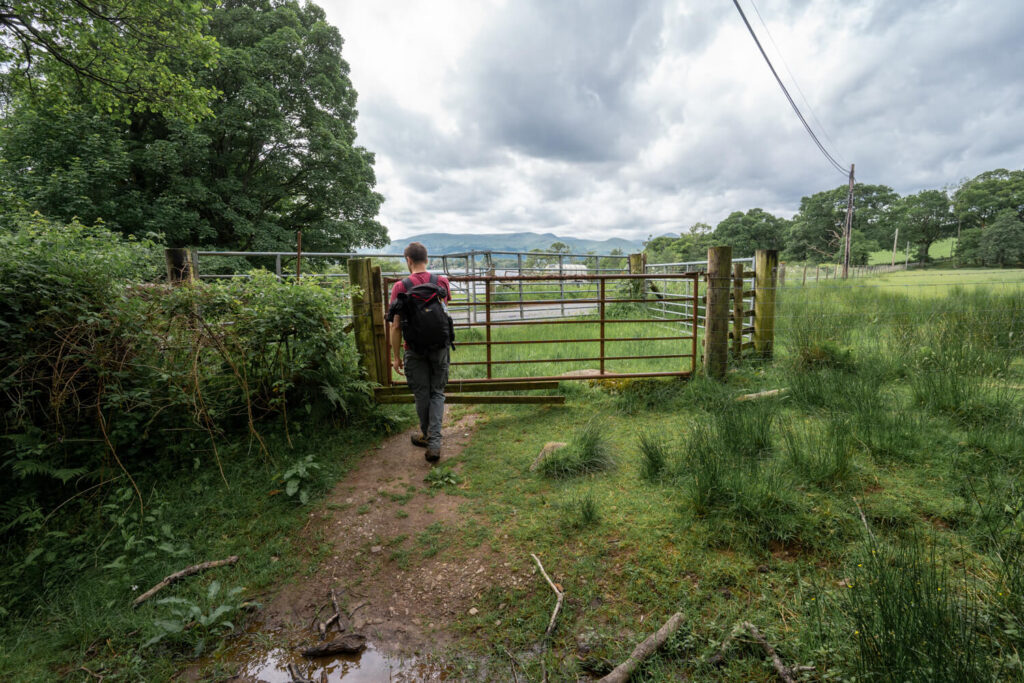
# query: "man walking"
418,314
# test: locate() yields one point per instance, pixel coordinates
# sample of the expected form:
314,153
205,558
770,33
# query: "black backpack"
426,325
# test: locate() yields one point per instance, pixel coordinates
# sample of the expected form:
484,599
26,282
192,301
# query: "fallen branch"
761,394
645,649
337,612
344,645
188,571
558,603
785,673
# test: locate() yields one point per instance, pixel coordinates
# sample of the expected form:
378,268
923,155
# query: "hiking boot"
433,454
419,440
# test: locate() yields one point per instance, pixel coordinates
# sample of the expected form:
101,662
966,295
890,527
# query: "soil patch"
398,581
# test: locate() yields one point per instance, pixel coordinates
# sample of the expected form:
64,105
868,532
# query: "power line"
785,92
792,77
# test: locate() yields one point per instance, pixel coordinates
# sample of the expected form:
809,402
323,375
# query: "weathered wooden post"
782,274
180,266
716,312
638,266
766,266
360,275
737,310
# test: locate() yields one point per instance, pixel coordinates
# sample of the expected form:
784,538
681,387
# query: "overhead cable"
789,97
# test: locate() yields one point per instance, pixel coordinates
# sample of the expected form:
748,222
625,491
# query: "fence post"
737,310
716,312
766,266
638,266
180,267
360,276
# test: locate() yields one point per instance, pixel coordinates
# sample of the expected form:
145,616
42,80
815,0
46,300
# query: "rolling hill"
445,243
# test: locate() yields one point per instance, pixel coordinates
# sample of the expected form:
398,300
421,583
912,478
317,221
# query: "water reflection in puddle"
371,665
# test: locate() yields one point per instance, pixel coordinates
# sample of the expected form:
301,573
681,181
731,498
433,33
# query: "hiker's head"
415,255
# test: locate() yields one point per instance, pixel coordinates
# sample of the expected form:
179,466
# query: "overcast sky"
627,118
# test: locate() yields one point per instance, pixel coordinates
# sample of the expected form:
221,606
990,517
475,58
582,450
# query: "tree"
978,200
120,57
924,218
860,249
817,230
279,154
1002,242
747,232
559,248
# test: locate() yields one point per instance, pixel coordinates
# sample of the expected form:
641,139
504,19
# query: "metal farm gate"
507,339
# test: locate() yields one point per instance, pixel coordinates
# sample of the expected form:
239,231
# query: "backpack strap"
407,284
433,278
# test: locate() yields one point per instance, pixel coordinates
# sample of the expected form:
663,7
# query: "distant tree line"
987,212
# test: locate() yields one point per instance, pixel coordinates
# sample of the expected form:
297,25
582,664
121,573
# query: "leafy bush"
110,375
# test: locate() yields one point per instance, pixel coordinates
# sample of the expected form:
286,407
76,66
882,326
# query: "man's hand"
398,364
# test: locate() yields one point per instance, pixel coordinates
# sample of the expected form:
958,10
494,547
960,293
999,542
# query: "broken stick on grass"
558,603
785,673
648,647
188,571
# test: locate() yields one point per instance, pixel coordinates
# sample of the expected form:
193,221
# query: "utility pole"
895,240
907,260
848,227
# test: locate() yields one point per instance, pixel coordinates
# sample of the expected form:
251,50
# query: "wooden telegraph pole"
895,241
848,227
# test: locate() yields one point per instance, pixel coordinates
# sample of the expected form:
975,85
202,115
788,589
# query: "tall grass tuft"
912,620
588,452
821,455
654,456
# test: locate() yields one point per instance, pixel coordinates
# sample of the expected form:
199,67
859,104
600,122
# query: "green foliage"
979,200
297,477
581,512
588,452
183,615
911,620
277,155
113,377
815,233
924,218
747,232
115,60
442,477
654,456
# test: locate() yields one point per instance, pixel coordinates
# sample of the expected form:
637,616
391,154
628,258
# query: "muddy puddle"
253,658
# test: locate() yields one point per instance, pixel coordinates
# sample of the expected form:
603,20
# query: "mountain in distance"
445,243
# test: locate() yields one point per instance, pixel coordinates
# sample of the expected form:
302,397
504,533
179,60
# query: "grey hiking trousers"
427,374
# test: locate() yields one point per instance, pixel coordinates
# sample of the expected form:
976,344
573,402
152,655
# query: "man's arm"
396,345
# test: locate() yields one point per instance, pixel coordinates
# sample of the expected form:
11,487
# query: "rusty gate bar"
597,316
487,314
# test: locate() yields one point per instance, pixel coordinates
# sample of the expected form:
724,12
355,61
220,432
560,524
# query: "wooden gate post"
638,266
360,275
766,267
737,310
180,266
716,312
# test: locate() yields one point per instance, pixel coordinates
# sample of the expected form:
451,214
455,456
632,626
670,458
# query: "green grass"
753,511
938,250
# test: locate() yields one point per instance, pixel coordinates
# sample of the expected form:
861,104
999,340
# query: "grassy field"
870,522
938,250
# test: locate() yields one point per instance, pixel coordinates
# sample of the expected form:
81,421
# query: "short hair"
416,252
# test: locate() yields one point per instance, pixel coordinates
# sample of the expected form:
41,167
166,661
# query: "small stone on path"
473,611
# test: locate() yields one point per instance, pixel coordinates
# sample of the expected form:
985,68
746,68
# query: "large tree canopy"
278,155
978,200
747,232
817,230
115,57
924,218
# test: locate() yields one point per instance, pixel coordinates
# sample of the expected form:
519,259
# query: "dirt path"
386,529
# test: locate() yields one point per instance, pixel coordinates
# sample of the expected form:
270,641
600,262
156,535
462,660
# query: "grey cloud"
553,80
